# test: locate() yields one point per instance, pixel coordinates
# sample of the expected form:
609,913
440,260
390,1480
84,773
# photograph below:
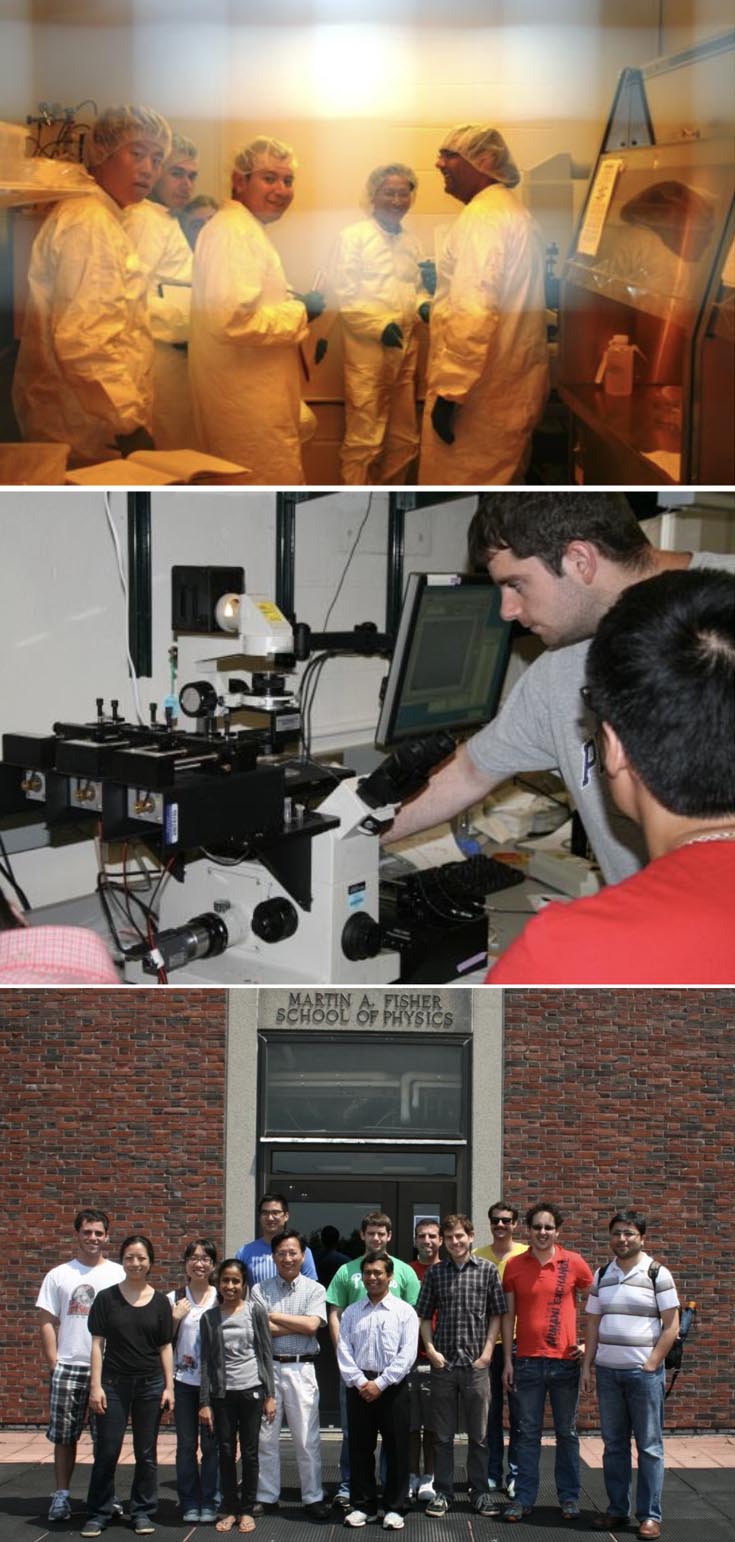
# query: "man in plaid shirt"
464,1294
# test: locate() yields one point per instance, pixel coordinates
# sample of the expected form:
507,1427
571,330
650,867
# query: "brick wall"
116,1098
615,1098
110,1098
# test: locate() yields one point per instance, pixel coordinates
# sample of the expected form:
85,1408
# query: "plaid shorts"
68,1408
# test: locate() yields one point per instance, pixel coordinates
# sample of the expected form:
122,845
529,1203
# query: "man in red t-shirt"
541,1289
428,1240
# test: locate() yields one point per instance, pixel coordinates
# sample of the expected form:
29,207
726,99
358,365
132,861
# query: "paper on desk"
434,852
512,816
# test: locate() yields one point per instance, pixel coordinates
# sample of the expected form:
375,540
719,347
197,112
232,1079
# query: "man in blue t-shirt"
258,1256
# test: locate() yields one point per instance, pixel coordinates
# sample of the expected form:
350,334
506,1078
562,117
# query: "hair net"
182,149
116,126
378,176
248,158
485,149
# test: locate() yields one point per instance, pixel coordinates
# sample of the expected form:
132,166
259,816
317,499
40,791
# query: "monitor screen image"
449,661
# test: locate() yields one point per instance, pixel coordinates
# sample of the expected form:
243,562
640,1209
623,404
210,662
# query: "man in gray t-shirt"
561,560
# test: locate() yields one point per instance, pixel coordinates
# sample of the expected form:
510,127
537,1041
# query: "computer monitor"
449,661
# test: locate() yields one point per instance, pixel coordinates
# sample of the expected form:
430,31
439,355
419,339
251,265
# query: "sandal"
246,1523
226,1523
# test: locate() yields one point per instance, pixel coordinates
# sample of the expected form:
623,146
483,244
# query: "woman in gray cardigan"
237,1388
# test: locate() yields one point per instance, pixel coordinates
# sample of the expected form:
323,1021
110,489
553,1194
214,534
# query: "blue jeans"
495,1423
534,1376
632,1404
196,1483
140,1397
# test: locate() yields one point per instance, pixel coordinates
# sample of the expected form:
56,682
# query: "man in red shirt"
541,1289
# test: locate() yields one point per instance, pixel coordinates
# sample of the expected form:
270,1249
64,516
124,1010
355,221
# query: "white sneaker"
413,1485
358,1518
59,1508
510,1488
492,1484
392,1521
426,1490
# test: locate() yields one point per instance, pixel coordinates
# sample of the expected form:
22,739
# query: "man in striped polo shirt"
633,1313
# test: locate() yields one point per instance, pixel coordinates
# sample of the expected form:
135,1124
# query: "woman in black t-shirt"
132,1374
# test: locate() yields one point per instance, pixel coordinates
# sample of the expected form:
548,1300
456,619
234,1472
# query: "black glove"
442,414
320,349
314,302
425,311
427,269
140,439
392,336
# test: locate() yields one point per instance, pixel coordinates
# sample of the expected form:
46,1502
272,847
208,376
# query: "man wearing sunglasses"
503,1246
541,1290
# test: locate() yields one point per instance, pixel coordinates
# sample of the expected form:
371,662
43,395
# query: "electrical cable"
346,567
7,872
124,586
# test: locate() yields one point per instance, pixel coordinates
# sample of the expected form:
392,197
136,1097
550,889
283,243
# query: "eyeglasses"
501,1220
536,1227
624,1234
271,1215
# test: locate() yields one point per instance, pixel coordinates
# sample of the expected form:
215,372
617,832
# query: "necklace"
711,835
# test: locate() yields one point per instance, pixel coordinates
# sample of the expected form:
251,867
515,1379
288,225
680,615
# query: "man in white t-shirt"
65,1301
633,1320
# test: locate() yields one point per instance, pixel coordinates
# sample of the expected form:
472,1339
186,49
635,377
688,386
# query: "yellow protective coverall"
167,261
376,280
487,347
84,369
243,356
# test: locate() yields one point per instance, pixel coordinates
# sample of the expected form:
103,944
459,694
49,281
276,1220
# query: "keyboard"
452,891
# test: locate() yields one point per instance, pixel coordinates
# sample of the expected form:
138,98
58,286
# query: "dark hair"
231,1263
378,1256
631,1218
91,1215
329,1236
543,1204
451,1222
271,1199
661,672
376,1218
502,1204
543,524
145,1242
426,1220
289,1233
206,1247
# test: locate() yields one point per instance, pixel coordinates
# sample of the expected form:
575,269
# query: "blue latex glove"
425,311
392,336
314,302
427,269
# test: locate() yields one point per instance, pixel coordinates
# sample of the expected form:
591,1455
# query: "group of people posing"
130,343
419,1346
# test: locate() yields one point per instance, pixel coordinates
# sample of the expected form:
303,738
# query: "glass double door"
316,1201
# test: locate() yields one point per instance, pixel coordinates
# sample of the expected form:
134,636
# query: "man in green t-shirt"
376,1231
